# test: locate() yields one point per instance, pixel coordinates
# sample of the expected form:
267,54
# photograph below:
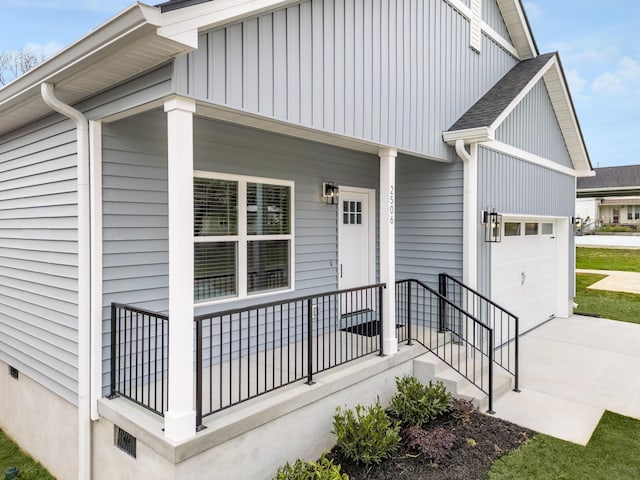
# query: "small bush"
435,444
417,404
324,469
462,410
367,435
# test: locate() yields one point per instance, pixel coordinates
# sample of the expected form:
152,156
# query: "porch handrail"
253,350
492,314
469,351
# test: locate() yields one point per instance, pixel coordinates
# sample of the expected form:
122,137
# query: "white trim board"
512,151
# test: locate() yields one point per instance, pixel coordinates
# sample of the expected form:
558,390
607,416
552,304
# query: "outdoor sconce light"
330,193
492,226
576,220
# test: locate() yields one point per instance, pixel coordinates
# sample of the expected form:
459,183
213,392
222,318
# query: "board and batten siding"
514,186
533,127
39,254
397,73
135,204
429,203
492,16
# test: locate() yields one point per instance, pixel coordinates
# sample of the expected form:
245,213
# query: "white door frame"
372,230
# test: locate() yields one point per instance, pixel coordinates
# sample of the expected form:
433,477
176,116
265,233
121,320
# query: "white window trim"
243,238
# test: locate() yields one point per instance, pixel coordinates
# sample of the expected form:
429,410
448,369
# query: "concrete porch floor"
571,371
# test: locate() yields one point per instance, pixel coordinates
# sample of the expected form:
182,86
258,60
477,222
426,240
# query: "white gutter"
470,209
84,279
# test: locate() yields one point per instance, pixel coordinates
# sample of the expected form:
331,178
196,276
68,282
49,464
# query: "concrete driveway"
571,371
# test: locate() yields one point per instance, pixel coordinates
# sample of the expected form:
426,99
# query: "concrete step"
429,368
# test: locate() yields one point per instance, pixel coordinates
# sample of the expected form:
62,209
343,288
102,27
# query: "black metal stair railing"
504,324
452,334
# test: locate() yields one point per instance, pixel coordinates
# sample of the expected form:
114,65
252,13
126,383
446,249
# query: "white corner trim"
470,135
523,93
95,188
530,157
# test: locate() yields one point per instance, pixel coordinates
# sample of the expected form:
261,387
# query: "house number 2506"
391,205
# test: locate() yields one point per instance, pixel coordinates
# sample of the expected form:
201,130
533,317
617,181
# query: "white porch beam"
388,247
180,419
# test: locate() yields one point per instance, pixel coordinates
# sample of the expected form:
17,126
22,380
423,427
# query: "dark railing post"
381,315
114,338
310,342
442,308
491,355
516,388
199,425
409,312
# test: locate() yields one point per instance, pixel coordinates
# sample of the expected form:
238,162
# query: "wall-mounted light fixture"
492,222
576,220
330,193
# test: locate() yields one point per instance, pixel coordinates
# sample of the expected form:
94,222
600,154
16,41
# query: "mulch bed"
479,441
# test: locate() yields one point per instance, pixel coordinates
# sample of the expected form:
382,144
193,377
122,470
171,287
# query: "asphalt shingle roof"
176,4
486,110
612,177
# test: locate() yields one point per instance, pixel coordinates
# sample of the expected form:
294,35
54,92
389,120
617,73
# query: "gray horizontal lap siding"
38,254
135,204
533,127
396,73
429,219
514,186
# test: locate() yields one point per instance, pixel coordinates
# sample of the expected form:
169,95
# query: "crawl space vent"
126,442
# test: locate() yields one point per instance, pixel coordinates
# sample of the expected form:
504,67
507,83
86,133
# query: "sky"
597,41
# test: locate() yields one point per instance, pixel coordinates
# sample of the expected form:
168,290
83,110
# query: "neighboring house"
224,154
612,197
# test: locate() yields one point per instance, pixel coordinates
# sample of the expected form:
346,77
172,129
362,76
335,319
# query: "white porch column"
180,419
388,247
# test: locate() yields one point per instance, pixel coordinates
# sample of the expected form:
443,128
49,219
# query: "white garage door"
524,270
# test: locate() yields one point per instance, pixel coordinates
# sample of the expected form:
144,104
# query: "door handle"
523,278
340,270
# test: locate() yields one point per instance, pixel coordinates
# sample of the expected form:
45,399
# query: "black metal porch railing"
455,336
505,325
247,352
140,356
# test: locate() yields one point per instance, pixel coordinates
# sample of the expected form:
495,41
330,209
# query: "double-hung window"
243,236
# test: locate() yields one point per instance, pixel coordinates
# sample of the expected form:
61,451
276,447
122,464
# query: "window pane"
530,228
214,270
267,265
511,229
215,207
268,209
547,228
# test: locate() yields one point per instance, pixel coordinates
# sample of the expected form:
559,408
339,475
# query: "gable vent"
125,442
476,25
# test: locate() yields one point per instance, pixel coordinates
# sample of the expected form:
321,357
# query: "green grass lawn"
612,453
613,305
608,259
12,456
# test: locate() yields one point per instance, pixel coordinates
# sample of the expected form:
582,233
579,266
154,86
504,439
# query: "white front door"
356,245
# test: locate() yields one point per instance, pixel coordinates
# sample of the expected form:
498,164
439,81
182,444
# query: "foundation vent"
13,372
125,442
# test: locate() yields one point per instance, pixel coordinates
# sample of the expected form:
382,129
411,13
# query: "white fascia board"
126,22
183,24
470,135
518,28
530,157
523,93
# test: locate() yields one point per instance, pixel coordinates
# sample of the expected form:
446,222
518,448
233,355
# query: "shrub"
435,444
324,469
367,435
462,410
417,404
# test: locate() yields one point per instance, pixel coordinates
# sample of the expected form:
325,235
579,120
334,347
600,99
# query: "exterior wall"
41,422
535,114
493,17
135,204
513,186
429,219
368,70
38,254
587,208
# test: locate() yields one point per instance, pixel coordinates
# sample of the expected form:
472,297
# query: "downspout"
84,279
470,210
